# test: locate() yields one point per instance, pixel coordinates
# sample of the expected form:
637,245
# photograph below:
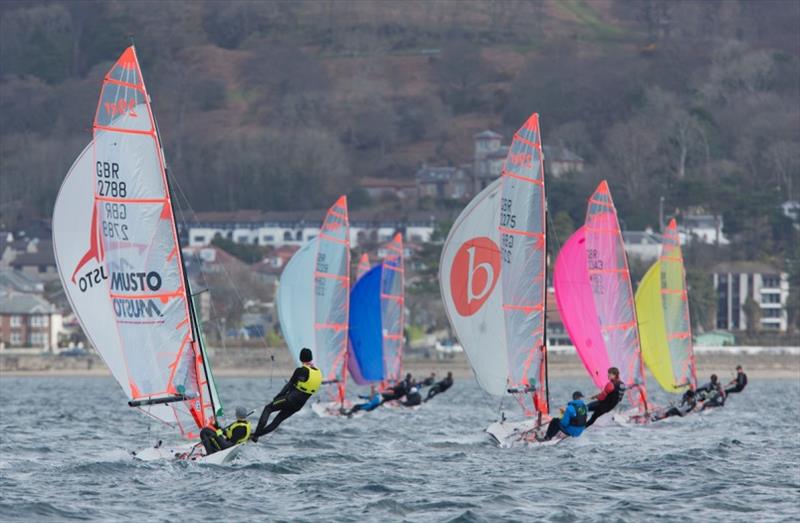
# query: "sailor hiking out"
608,398
304,383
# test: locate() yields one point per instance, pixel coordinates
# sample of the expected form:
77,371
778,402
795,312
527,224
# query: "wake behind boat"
120,262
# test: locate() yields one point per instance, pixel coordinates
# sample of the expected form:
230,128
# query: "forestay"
500,237
663,309
119,259
313,298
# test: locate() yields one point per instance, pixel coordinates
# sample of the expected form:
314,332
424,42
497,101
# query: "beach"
758,362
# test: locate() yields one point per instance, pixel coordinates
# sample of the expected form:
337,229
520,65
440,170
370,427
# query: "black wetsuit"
741,383
412,399
427,382
610,399
396,392
440,387
214,443
713,393
288,401
688,403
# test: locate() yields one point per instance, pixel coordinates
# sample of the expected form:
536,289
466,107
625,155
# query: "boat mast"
189,299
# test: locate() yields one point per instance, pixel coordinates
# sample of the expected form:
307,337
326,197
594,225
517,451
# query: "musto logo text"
473,275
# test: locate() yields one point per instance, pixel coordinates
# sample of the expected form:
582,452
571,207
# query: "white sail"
468,274
314,298
119,258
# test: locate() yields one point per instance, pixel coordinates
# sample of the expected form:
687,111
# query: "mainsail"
313,298
120,262
392,308
595,297
662,306
500,237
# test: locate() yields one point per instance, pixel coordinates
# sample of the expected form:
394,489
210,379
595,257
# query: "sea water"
65,455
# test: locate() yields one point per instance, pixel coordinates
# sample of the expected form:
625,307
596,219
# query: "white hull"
188,452
507,434
332,409
631,417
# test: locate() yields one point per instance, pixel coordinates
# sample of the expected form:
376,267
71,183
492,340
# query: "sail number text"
509,220
111,228
108,182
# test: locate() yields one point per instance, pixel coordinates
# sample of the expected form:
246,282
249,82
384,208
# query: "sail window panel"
123,108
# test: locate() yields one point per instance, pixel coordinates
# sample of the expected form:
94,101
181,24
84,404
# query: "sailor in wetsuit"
215,439
305,381
427,382
713,393
688,403
372,403
608,398
413,398
739,382
399,390
440,386
572,421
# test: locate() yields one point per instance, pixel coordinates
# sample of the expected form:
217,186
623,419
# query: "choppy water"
65,442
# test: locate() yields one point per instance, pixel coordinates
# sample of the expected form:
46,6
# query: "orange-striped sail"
662,305
500,237
392,308
120,261
314,299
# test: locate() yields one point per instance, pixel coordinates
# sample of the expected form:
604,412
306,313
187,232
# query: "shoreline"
257,364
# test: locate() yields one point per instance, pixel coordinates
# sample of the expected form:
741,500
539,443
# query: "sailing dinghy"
493,283
595,298
662,306
120,262
313,305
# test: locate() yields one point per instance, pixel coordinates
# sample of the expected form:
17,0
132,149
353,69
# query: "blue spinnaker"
366,329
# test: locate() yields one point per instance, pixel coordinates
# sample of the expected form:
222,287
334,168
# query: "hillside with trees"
281,105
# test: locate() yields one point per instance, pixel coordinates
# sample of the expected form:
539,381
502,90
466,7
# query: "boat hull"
507,434
188,452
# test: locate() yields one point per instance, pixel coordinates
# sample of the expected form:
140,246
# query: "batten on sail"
120,262
317,279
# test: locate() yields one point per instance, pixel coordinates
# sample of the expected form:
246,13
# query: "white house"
769,287
295,228
704,228
645,245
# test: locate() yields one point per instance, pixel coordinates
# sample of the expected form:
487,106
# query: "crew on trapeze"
572,421
739,382
304,383
608,398
215,438
440,386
